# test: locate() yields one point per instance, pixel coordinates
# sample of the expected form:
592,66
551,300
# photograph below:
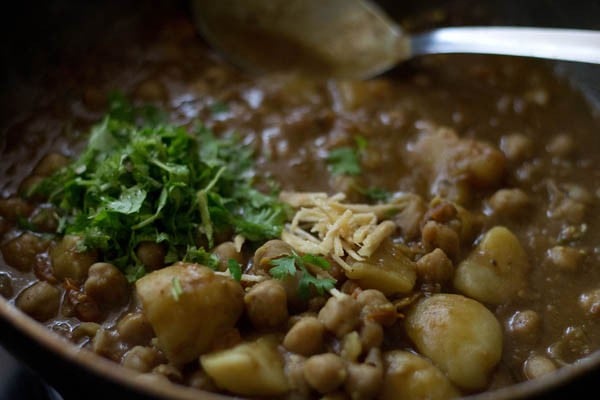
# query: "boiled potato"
188,321
495,271
387,270
412,377
460,336
248,369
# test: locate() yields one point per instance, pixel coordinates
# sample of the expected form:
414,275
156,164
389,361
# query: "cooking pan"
41,43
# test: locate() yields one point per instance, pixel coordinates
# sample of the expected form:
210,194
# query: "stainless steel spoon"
354,39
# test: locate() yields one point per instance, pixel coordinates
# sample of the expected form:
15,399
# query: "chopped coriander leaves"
142,179
283,266
200,256
176,290
235,269
376,194
290,265
346,160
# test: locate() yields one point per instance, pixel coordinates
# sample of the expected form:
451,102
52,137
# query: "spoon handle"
557,44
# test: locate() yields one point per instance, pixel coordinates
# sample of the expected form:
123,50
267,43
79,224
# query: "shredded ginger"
325,225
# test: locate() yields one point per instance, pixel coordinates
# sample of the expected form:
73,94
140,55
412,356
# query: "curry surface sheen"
504,139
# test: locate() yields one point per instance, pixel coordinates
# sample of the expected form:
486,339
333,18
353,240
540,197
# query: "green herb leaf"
235,269
319,261
290,265
377,194
321,285
201,256
282,267
361,143
176,289
134,272
130,201
344,161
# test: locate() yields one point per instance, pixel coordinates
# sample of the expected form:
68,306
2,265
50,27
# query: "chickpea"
6,289
49,164
411,377
371,298
564,258
151,255
537,365
435,235
350,347
169,371
376,307
135,329
305,337
509,201
561,146
106,285
516,147
364,381
269,251
40,301
85,330
14,208
69,262
325,372
226,251
107,344
44,219
590,302
340,315
21,252
435,267
266,305
371,335
140,359
525,325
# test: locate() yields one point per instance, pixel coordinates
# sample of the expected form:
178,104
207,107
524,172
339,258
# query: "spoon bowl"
354,39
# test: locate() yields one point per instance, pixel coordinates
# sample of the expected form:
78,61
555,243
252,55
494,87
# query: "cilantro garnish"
343,161
375,194
346,160
176,290
235,269
140,179
289,265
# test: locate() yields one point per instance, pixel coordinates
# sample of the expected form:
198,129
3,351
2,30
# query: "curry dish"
429,233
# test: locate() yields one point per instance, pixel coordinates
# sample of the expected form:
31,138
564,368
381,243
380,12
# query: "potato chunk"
248,369
460,336
495,271
187,324
409,376
387,270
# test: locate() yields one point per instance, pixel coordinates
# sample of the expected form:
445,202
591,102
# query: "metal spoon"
354,39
